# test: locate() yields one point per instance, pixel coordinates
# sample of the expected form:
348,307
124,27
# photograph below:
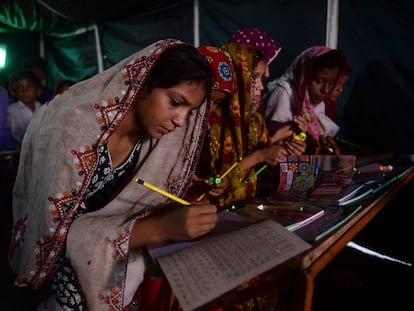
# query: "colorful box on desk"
297,176
292,179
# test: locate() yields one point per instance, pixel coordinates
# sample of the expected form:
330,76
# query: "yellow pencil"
222,176
229,169
161,191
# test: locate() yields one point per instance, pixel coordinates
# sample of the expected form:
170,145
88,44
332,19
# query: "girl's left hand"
217,189
328,145
295,147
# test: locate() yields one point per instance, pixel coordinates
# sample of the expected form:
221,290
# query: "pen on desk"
221,177
255,174
161,191
263,207
344,170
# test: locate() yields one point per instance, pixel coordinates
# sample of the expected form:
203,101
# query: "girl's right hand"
271,155
174,223
302,122
189,222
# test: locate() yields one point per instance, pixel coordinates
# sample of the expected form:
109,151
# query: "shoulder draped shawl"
58,159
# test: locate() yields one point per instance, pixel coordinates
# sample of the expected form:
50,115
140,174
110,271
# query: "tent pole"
98,49
42,45
332,24
196,23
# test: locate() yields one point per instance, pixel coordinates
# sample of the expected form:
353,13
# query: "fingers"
203,212
302,122
274,154
328,145
331,141
295,147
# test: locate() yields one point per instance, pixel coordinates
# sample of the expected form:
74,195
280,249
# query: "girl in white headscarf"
301,91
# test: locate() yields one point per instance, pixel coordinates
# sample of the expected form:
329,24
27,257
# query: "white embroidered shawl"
57,161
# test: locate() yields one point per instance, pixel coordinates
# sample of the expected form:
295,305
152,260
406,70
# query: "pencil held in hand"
255,174
161,191
221,177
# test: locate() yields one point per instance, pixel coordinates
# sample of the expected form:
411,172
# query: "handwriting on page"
220,263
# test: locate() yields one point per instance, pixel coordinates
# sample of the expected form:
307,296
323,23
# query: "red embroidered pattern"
18,234
64,207
114,300
118,244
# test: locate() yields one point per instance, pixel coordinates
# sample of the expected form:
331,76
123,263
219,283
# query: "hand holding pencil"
178,224
268,156
220,182
328,145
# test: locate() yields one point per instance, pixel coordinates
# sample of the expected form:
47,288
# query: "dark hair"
258,56
62,84
347,69
180,63
331,59
19,75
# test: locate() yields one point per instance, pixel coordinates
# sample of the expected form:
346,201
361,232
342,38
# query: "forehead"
191,92
23,81
326,73
261,67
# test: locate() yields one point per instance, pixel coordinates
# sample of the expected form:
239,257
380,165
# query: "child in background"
62,86
38,66
332,99
301,90
6,140
25,87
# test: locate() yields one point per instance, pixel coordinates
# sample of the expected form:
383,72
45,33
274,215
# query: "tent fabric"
369,31
63,16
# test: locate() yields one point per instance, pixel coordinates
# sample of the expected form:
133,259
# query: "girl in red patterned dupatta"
207,181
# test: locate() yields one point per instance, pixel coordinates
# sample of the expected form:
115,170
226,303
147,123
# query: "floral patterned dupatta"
250,129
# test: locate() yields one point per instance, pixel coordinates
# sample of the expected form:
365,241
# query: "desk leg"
302,300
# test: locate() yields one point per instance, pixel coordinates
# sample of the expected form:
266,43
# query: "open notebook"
236,251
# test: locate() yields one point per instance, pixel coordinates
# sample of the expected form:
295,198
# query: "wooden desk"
313,261
294,280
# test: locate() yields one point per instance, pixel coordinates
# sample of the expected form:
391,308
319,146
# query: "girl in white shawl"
80,219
